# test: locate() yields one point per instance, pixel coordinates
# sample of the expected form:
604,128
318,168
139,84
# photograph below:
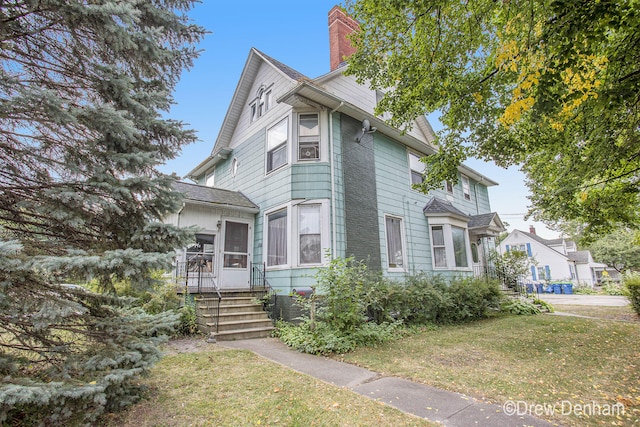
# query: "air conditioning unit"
308,152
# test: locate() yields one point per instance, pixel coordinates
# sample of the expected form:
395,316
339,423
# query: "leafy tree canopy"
619,249
82,88
550,85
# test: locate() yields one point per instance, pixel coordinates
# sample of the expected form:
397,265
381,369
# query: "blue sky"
295,33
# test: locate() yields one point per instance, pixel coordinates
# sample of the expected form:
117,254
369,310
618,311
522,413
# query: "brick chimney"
340,26
532,230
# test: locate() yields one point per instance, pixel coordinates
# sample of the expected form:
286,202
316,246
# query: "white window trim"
466,187
288,143
254,103
323,145
210,179
325,237
411,170
293,234
403,242
265,240
446,224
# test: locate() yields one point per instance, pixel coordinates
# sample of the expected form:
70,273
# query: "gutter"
334,238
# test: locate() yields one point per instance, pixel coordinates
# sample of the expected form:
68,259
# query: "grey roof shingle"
439,206
295,75
481,220
216,196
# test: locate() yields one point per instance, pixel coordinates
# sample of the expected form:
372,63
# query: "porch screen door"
235,261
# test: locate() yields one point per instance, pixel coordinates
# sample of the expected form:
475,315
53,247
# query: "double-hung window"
395,250
417,169
310,237
308,137
439,248
450,246
277,138
466,190
277,238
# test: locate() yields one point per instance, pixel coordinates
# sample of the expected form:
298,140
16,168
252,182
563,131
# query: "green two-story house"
302,170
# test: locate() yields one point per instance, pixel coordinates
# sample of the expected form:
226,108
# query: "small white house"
555,259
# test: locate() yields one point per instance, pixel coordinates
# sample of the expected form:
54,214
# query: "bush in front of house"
354,307
632,283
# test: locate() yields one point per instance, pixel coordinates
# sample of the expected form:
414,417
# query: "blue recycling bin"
567,288
557,289
548,289
529,288
539,288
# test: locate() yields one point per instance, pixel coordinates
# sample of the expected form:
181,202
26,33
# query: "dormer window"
261,103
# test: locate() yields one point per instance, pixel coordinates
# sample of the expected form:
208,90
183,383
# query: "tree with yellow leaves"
551,86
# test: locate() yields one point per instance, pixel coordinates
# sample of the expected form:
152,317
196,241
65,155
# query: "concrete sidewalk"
448,408
578,299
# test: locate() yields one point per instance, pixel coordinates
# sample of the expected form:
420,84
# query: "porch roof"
215,196
487,223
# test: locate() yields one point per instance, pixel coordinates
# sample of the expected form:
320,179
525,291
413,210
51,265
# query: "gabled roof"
239,101
487,223
215,196
439,207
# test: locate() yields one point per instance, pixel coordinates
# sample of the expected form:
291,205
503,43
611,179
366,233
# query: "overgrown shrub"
583,289
612,288
354,307
430,299
632,283
521,307
543,305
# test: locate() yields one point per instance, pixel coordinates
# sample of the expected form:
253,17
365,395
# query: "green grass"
624,313
237,388
540,359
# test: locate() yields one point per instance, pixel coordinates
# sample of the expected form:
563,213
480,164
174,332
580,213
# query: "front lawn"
538,360
221,387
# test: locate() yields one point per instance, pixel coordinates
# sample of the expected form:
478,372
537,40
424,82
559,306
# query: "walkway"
577,299
448,408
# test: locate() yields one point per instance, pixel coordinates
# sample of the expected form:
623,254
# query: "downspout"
334,238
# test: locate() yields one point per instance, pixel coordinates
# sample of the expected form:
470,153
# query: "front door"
236,252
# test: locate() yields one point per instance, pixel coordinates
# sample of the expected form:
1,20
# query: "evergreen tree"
82,89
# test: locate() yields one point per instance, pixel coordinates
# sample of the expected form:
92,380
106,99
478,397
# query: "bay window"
310,237
308,137
450,246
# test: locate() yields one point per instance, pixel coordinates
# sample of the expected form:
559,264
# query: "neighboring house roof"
439,207
215,196
579,256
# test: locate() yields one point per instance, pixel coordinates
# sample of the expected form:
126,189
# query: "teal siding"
309,181
397,198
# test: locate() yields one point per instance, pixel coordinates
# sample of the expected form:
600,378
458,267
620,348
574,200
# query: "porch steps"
240,316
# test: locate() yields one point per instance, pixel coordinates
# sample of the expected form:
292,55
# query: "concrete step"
231,325
244,334
230,308
234,316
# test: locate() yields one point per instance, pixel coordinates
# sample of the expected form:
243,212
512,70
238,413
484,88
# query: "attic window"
261,104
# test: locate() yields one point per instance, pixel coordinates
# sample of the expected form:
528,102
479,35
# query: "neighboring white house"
555,259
